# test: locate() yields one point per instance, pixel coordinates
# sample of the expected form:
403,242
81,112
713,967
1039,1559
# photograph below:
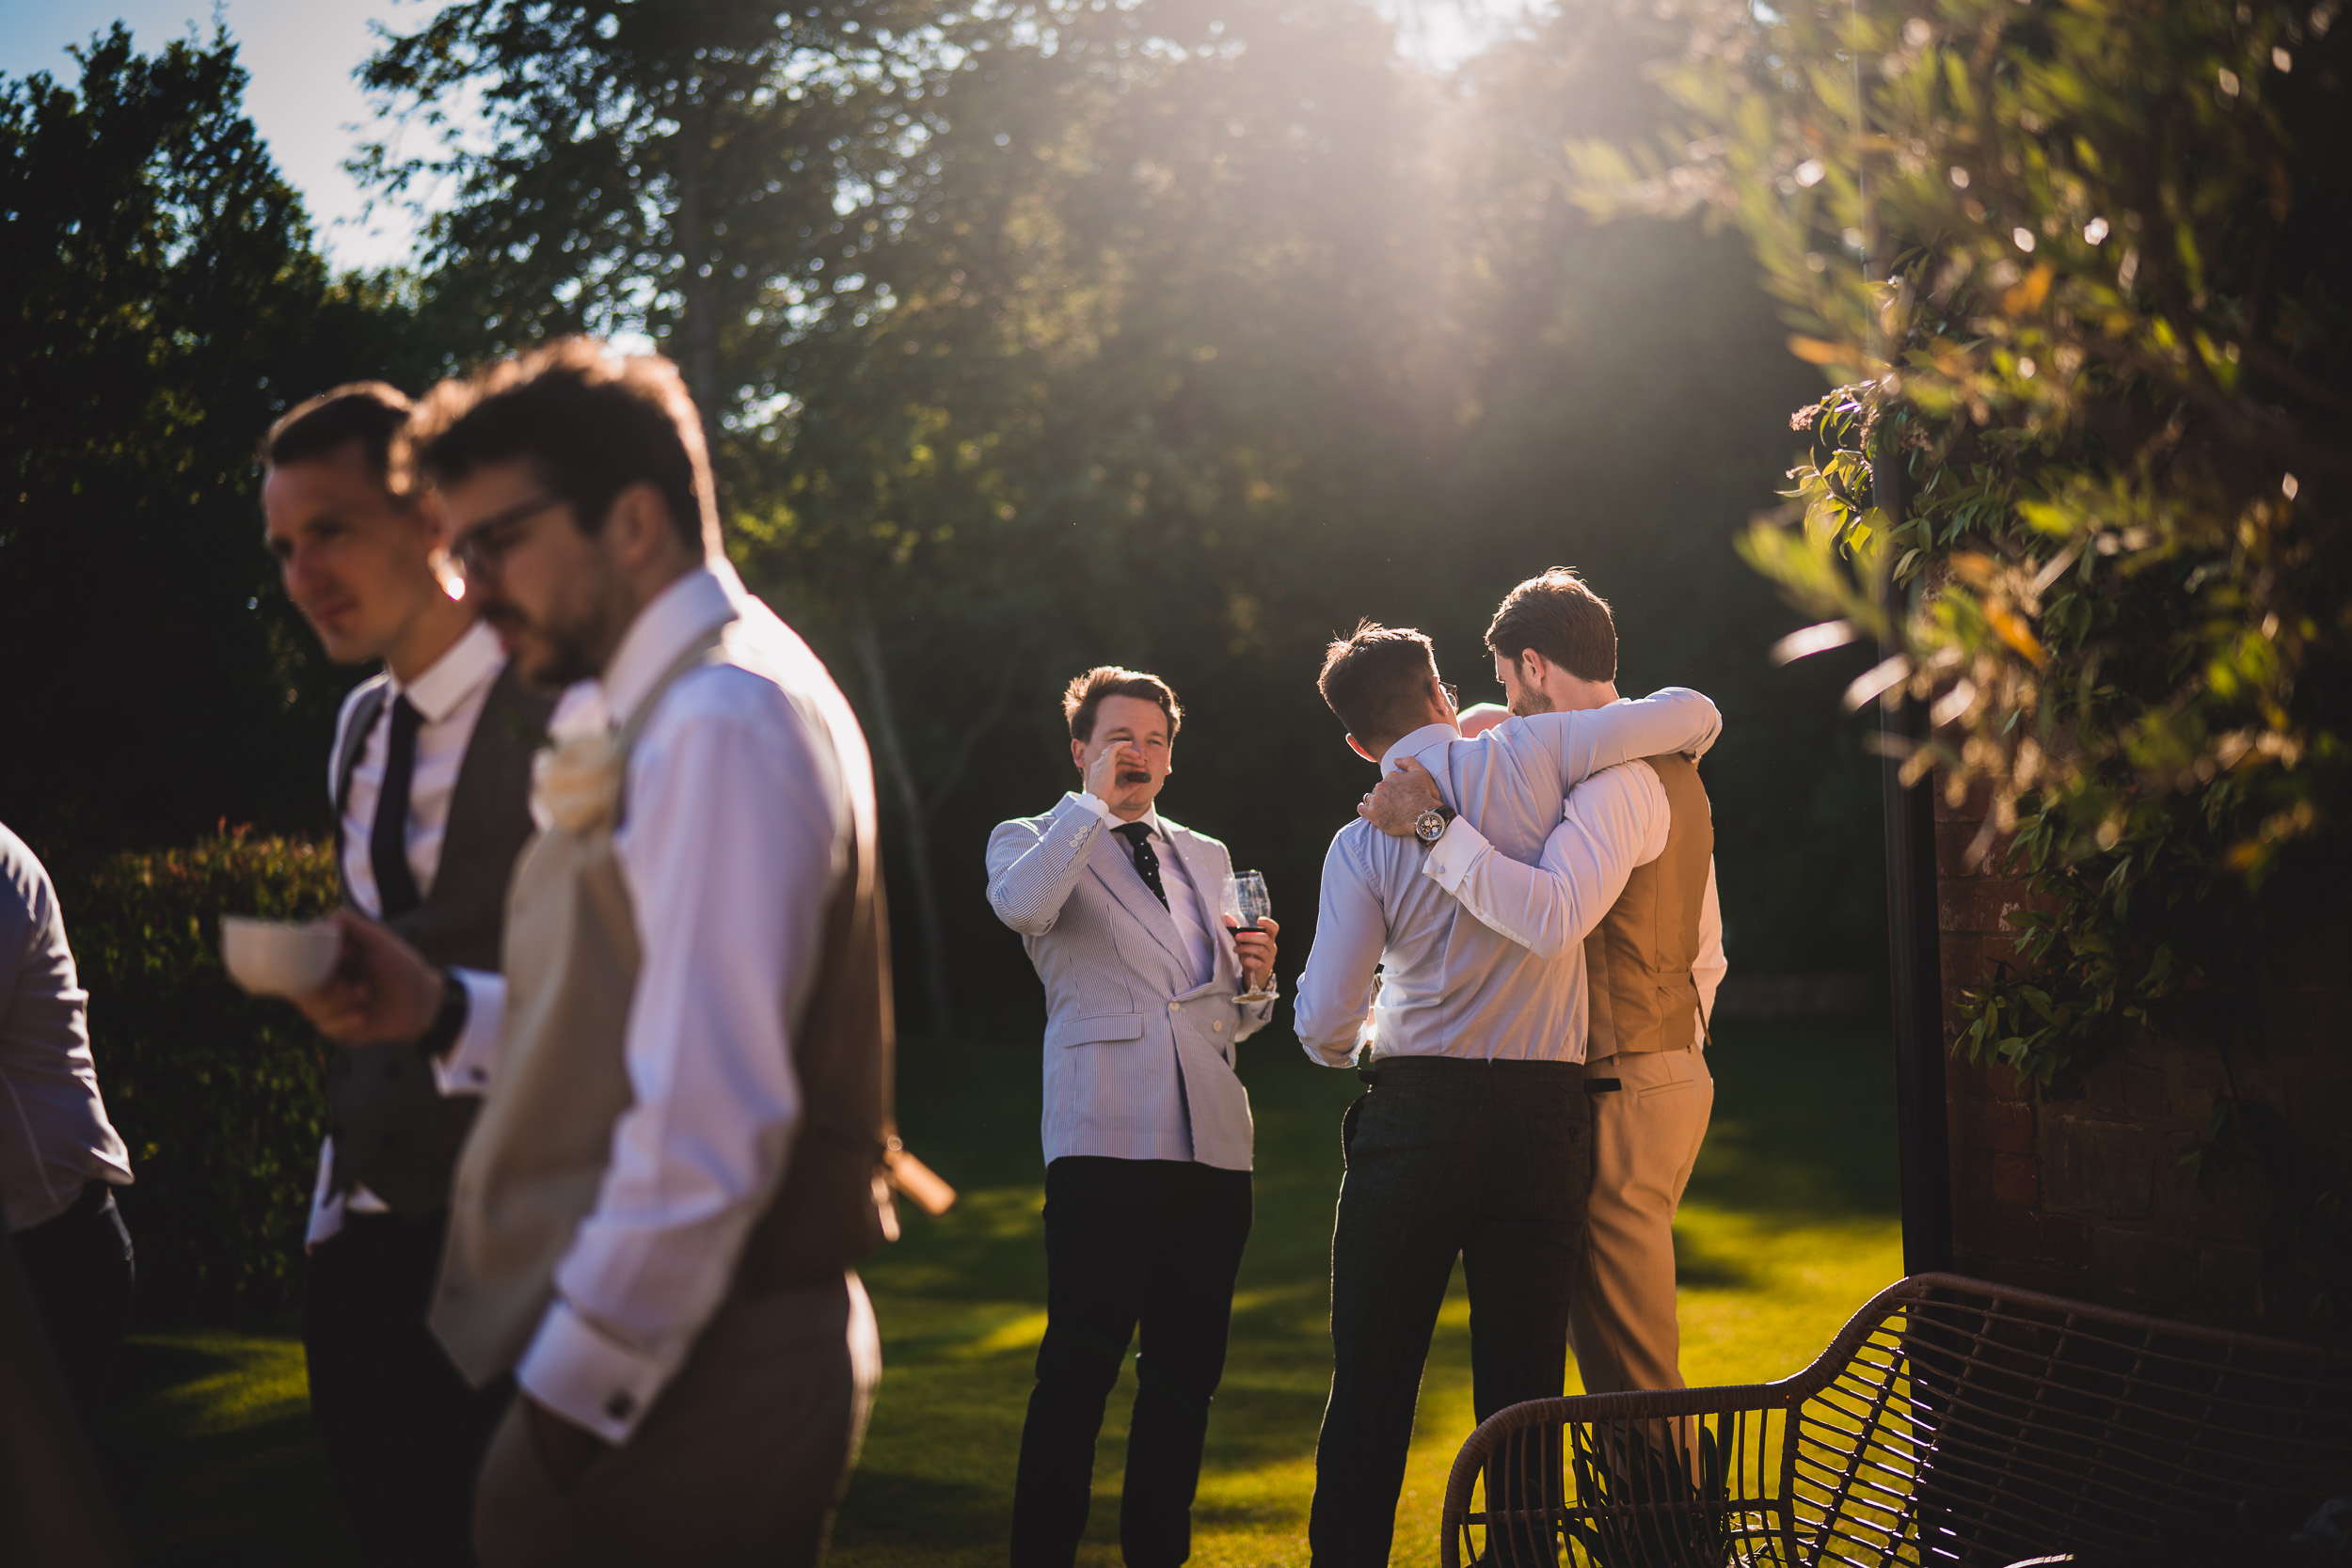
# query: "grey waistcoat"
394,1133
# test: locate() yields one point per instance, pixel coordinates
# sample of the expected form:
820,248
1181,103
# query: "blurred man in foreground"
1475,1136
682,1147
1149,992
429,776
61,1158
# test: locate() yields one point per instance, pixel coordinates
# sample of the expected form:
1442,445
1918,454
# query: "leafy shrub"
218,1094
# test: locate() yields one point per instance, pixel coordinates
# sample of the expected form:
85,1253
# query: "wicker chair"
1952,1421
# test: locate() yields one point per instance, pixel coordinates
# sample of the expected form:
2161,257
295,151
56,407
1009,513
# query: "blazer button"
1218,1026
1175,1006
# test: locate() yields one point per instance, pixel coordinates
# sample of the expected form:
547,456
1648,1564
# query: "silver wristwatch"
1429,826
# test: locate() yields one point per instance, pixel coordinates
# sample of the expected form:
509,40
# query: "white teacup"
279,958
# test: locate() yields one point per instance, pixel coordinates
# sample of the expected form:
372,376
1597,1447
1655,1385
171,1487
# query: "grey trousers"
740,1460
1446,1157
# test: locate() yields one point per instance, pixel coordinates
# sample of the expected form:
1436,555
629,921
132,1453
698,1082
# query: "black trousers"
403,1433
1128,1242
78,1268
1445,1156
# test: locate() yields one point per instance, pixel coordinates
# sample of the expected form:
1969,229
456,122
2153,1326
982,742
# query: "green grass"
1789,1226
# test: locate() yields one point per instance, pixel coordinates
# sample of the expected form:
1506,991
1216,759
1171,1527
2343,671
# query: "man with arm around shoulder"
1146,1130
1653,959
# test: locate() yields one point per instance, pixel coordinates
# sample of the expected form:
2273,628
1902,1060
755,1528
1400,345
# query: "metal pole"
1915,968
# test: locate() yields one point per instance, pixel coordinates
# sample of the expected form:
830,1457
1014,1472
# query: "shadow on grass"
211,1456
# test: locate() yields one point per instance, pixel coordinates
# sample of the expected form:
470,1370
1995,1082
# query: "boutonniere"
576,781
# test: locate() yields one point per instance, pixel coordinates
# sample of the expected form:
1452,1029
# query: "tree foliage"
2080,268
163,304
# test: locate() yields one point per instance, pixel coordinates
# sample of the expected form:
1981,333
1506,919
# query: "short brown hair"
1560,618
592,421
369,411
1377,680
1084,695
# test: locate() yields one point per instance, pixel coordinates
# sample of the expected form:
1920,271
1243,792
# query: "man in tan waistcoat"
1653,958
683,1141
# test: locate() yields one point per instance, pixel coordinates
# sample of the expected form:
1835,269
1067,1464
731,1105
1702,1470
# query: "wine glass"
1246,899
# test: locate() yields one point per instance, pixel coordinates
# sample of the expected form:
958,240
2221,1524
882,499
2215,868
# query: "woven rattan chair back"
1951,1422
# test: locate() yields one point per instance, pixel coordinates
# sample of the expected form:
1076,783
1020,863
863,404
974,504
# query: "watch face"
1429,827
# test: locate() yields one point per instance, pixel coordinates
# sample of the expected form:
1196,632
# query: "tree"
2084,472
163,305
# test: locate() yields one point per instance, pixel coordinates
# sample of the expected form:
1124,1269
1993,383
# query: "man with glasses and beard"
686,1134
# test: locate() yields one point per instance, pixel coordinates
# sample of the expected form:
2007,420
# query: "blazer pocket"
1100,1029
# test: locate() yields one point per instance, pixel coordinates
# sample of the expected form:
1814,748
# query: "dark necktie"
388,843
1139,838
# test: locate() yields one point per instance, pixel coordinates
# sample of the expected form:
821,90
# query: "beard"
1529,701
551,655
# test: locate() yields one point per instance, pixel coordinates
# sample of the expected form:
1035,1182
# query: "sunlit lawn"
1791,1226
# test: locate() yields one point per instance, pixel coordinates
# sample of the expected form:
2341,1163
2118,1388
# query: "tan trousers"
1645,1138
740,1460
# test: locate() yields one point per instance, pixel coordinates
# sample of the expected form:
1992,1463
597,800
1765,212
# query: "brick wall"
2080,1190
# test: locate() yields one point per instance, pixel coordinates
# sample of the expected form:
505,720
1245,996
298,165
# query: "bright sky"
300,54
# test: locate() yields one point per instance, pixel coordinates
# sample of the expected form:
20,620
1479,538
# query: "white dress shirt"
1550,908
448,697
1398,961
55,1137
737,824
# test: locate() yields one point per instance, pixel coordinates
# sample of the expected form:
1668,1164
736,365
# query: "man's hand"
383,989
1400,799
1256,951
566,1451
1103,781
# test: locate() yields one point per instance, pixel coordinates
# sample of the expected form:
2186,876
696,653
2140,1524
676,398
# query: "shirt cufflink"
1451,858
463,1070
589,1378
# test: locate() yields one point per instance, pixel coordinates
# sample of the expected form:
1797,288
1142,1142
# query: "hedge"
218,1095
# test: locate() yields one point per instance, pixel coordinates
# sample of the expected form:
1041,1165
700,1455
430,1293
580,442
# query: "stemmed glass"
1246,899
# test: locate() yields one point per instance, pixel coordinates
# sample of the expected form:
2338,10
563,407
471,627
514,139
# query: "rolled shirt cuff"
589,1378
465,1070
1454,855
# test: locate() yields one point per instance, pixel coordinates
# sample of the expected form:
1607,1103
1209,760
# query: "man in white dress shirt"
1474,1137
1147,1132
428,777
60,1157
687,1119
1652,943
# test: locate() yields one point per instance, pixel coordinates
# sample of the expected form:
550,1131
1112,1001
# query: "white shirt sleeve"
1336,991
1613,822
730,848
464,1069
1709,972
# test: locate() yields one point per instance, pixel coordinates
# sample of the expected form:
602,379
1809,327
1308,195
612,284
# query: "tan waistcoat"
1638,959
530,1170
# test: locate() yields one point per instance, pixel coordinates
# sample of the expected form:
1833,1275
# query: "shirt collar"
471,663
1417,742
670,625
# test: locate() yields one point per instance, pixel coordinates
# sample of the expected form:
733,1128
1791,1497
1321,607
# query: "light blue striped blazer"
1138,1055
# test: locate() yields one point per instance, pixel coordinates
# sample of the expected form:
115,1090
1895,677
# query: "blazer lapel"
1207,870
1115,869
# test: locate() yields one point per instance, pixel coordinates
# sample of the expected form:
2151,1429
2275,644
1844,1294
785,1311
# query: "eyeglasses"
1452,695
481,550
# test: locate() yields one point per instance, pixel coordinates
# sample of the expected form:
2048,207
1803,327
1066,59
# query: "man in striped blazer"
1149,989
